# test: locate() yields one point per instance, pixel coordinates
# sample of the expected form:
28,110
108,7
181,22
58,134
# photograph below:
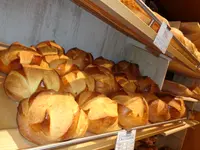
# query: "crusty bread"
16,55
102,62
49,117
102,112
104,80
77,81
23,83
178,34
80,57
132,110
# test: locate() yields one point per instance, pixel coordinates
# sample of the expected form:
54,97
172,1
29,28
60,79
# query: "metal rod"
149,12
151,23
100,136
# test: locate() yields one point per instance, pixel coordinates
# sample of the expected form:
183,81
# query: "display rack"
118,15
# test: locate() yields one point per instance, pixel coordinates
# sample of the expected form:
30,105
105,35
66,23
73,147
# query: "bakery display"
48,117
132,110
102,62
101,111
131,70
80,58
104,80
21,84
77,81
158,109
17,55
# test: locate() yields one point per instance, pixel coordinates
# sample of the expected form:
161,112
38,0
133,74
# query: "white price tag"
125,140
163,38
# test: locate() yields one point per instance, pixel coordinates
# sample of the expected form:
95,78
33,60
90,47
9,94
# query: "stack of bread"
64,95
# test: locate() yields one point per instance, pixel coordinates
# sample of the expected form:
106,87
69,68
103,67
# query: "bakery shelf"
123,19
13,140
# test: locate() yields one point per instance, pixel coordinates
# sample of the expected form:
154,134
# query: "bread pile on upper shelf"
64,95
145,17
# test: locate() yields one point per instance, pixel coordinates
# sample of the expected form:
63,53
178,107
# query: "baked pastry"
101,111
23,83
158,109
62,64
131,70
178,89
49,48
128,86
146,85
132,110
77,81
48,117
104,80
102,62
176,106
179,35
16,55
80,57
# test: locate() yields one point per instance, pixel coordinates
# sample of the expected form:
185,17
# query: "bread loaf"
158,109
23,83
49,48
132,110
146,85
101,111
178,34
131,70
16,55
176,106
48,117
104,80
77,81
178,89
102,62
80,57
62,64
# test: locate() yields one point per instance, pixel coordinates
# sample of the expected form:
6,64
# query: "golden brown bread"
146,85
104,80
62,64
16,55
102,62
161,18
48,117
158,109
77,81
23,83
102,112
128,86
179,35
80,57
132,110
176,106
49,48
178,89
131,70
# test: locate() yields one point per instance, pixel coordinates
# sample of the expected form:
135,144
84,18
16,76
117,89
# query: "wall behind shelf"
29,22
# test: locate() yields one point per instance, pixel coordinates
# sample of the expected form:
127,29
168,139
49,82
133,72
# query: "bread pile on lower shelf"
64,95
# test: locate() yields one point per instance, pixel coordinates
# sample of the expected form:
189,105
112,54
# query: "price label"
163,38
125,140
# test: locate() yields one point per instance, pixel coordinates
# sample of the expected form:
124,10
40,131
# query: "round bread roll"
80,57
23,83
128,86
101,111
132,110
104,80
62,64
48,117
16,55
131,70
176,106
146,85
158,109
49,48
102,62
77,81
